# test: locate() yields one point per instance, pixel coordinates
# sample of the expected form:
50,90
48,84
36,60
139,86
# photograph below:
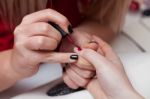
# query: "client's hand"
79,74
111,81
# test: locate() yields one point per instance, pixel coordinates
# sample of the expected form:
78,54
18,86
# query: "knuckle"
26,17
58,36
64,21
40,41
18,29
45,27
48,10
18,45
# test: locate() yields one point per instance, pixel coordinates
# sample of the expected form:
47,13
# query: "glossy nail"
74,57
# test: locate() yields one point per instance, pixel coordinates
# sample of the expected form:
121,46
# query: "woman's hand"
35,42
78,74
112,81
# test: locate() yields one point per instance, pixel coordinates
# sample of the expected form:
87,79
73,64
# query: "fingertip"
76,50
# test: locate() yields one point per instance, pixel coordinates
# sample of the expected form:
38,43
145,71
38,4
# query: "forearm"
7,75
95,28
95,89
97,93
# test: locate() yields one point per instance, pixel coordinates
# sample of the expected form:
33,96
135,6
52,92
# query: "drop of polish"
61,90
79,49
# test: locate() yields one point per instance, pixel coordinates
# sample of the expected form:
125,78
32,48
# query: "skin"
34,45
83,36
105,86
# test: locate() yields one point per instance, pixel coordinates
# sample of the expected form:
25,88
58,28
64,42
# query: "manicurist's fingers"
46,16
55,57
39,43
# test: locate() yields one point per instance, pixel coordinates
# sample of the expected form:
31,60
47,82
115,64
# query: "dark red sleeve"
6,36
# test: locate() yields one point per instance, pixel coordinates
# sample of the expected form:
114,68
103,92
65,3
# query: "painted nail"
79,49
74,57
70,30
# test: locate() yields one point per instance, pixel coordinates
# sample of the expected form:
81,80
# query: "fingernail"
70,30
74,57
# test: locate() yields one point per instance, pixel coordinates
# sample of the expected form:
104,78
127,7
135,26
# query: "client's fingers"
78,80
82,63
82,72
96,59
69,82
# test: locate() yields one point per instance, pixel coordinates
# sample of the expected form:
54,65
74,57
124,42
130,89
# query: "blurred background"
136,31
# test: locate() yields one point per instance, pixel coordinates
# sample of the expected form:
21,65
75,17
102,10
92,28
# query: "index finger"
46,16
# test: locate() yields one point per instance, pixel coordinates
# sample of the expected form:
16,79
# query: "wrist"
95,89
8,77
9,67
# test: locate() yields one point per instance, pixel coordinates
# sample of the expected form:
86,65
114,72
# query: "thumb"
96,59
60,57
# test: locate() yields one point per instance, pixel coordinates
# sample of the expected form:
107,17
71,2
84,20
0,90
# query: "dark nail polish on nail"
74,57
70,30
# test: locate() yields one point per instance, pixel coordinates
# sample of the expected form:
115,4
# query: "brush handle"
57,27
